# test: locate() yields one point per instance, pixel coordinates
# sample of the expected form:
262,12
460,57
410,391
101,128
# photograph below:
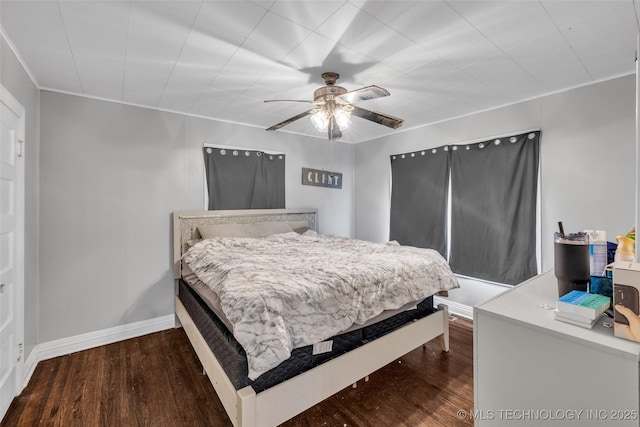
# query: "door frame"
10,101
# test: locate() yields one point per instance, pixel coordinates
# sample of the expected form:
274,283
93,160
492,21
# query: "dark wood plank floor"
156,380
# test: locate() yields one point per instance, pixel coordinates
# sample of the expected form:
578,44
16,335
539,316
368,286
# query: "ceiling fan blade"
362,94
333,130
292,119
383,119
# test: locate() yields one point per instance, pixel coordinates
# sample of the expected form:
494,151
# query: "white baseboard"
55,348
456,308
29,366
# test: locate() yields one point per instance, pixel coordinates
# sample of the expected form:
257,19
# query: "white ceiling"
221,59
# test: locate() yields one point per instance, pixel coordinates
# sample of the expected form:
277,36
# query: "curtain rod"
487,138
231,147
473,141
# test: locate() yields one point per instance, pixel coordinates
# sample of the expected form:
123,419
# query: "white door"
11,247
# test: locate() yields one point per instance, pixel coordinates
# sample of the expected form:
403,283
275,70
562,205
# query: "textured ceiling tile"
281,78
97,34
566,13
316,50
274,37
559,69
597,39
432,70
506,23
382,43
157,33
475,51
37,30
503,75
409,58
349,26
202,58
246,66
536,49
435,26
230,22
384,11
309,14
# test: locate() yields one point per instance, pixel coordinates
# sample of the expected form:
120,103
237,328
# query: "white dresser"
532,370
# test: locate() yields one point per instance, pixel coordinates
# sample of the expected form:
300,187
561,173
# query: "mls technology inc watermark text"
549,414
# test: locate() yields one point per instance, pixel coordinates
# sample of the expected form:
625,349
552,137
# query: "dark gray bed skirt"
232,357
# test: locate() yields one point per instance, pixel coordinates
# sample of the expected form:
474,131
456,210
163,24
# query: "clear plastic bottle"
597,251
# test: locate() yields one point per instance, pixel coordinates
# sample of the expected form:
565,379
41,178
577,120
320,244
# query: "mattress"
290,290
233,359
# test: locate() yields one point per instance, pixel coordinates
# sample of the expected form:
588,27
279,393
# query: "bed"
268,396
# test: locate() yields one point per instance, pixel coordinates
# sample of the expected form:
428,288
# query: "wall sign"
320,178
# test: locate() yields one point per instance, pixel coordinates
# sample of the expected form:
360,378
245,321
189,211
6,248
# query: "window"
419,187
244,179
493,204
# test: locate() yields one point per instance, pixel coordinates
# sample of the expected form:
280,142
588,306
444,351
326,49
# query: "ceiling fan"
334,107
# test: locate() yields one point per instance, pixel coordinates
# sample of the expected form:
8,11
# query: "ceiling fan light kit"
334,108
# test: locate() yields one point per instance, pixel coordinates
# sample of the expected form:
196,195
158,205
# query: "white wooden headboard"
185,224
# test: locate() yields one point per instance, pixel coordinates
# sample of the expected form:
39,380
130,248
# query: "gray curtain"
419,183
244,179
493,209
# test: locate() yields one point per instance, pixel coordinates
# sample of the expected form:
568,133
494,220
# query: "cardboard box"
626,300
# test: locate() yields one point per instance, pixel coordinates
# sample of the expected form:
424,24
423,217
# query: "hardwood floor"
156,380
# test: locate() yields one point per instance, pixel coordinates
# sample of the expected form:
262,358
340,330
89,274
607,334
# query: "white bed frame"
273,406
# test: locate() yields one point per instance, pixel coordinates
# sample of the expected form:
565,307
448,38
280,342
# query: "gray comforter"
288,290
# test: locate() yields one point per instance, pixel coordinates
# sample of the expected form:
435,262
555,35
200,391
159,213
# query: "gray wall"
587,159
111,175
14,78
